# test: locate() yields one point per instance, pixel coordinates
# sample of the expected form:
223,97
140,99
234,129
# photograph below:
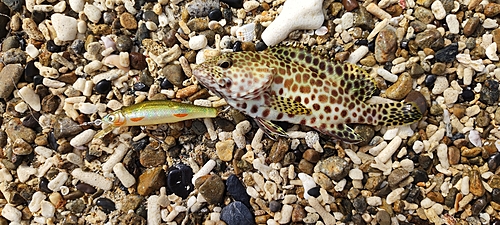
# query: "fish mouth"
206,80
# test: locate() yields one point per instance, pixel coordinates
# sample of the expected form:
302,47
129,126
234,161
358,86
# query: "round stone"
106,205
124,44
128,21
179,180
311,155
137,61
467,95
103,87
274,206
215,14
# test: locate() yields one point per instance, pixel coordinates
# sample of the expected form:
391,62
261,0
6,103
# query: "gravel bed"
66,64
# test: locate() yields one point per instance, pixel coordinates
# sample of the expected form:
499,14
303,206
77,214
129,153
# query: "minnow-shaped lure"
297,86
153,112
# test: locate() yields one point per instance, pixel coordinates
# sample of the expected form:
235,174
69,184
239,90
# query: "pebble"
215,15
236,213
423,15
438,10
430,38
11,213
401,88
334,167
471,26
106,204
397,176
15,130
93,179
198,42
211,187
65,27
489,92
10,73
92,12
440,85
128,21
476,184
224,150
386,45
238,191
447,54
201,8
178,180
234,3
150,180
310,12
491,9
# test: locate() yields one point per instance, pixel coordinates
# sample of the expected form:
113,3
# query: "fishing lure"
153,112
297,86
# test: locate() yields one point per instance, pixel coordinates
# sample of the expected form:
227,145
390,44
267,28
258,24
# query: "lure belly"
154,112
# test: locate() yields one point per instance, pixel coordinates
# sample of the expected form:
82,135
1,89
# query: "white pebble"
36,201
93,179
347,20
358,54
204,170
115,158
378,12
289,199
352,155
427,203
76,5
340,185
468,74
450,96
30,97
65,27
53,83
438,10
246,33
328,218
394,195
356,174
464,186
475,138
24,172
56,183
286,214
307,183
86,108
198,42
310,14
250,5
60,7
389,150
491,52
11,213
21,107
82,138
153,212
48,209
453,24
374,201
440,85
321,31
489,23
408,165
391,133
32,51
92,12
418,146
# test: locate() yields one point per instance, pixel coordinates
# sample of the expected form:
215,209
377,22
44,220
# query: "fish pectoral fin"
288,106
250,88
343,133
270,128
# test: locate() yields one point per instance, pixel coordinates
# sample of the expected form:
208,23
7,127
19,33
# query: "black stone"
371,46
86,188
420,176
78,46
139,86
493,162
236,213
37,79
106,205
404,44
478,206
361,42
360,204
141,34
165,84
489,93
275,206
467,95
237,46
44,185
447,54
236,189
457,136
260,46
38,16
450,198
495,195
51,138
31,120
103,87
150,16
228,14
414,194
179,180
14,5
234,3
314,192
215,14
140,144
224,124
30,71
198,127
429,80
52,47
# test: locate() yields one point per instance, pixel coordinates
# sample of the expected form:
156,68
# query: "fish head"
115,118
239,75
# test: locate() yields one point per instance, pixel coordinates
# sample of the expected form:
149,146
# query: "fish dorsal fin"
288,106
348,76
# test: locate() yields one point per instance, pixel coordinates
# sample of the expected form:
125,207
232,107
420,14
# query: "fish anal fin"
289,106
343,133
270,128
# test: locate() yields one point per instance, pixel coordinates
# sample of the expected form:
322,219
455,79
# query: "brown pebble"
187,91
211,187
438,69
453,155
491,9
224,150
306,167
278,150
458,111
471,26
470,152
298,213
435,196
341,56
401,88
151,157
386,45
137,61
350,5
151,180
128,21
476,184
311,155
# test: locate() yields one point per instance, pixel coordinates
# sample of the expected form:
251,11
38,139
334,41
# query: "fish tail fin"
397,113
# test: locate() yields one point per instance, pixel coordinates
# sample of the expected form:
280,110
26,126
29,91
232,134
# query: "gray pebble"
334,167
10,74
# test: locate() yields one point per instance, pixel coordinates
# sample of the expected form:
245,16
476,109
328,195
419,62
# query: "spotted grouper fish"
294,85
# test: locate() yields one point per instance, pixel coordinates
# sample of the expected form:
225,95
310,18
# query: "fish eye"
224,63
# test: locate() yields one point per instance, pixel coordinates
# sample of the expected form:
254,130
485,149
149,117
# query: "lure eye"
111,118
224,63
